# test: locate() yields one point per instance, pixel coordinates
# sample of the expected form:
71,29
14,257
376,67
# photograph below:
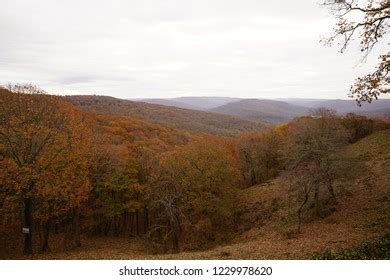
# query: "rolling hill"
193,102
191,120
262,109
169,102
376,108
274,111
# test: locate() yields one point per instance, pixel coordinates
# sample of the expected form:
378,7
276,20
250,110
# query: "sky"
171,48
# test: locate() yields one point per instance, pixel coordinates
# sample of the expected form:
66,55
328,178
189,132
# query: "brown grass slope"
268,222
191,120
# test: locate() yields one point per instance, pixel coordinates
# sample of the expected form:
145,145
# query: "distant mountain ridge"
192,102
262,109
185,119
274,110
341,105
169,102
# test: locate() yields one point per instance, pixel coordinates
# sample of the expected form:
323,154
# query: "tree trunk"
331,191
28,224
253,177
124,221
45,240
176,234
317,201
137,221
76,225
146,219
306,198
72,235
175,241
131,222
107,227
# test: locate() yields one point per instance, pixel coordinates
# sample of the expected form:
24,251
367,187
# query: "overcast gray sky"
169,48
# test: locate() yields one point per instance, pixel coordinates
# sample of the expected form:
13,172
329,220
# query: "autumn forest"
76,170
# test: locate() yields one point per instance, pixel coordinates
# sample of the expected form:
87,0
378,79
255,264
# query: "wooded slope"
191,120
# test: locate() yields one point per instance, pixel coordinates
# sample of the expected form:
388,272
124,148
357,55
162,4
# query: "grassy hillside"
262,109
191,120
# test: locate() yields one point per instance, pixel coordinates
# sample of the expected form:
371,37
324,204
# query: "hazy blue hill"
275,111
205,102
170,102
192,102
377,113
262,109
344,106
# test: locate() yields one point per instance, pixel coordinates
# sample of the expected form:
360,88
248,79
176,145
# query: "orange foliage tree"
194,191
260,155
44,147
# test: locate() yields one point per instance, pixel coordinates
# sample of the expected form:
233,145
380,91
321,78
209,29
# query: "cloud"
166,48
